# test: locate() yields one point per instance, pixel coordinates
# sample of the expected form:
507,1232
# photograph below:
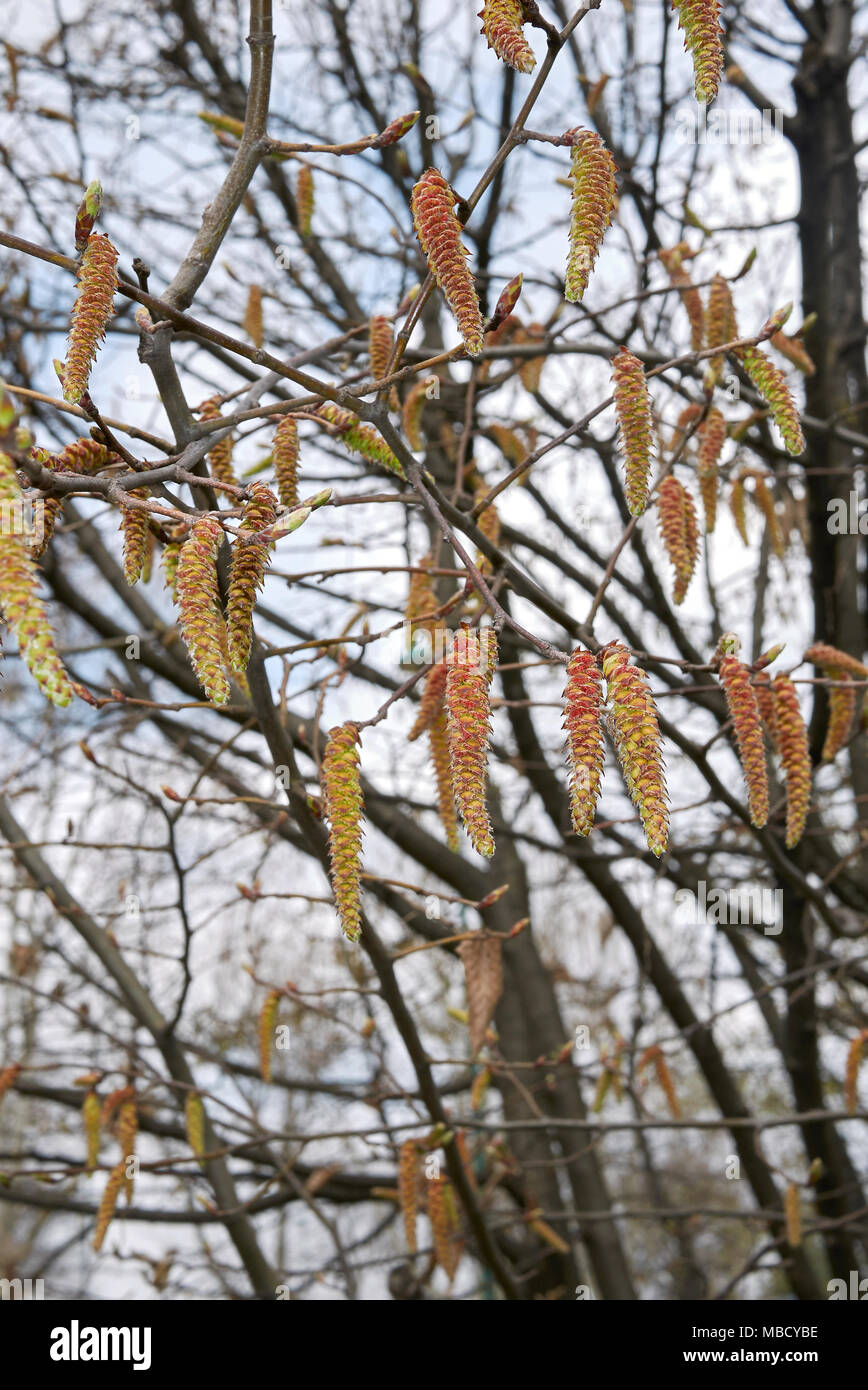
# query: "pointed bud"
88,212
509,297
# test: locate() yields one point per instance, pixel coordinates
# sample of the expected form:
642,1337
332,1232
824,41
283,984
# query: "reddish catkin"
220,454
635,425
408,1191
411,414
284,456
90,1112
128,1128
468,708
438,738
692,301
531,368
676,515
795,756
97,282
744,713
501,25
583,706
673,258
771,383
304,199
107,1206
689,414
832,658
253,315
720,327
8,1077
381,342
247,572
199,608
842,709
488,522
656,1055
762,689
343,805
638,742
712,434
766,504
737,495
703,39
360,439
793,349
431,702
851,1072
267,1020
439,233
439,1214
20,603
135,524
592,178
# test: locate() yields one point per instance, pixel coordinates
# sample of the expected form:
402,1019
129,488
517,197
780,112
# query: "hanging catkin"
583,706
342,802
635,426
468,707
439,233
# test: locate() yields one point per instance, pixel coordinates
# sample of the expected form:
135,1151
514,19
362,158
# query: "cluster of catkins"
217,645
763,709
